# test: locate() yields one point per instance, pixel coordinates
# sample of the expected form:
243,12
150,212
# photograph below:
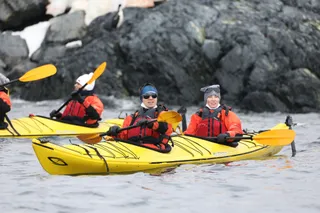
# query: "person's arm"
124,134
233,124
5,107
193,125
93,107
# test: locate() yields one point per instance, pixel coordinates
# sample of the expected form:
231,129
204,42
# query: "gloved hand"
56,114
113,131
222,138
77,97
144,122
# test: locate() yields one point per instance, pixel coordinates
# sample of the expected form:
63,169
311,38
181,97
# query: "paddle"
170,117
289,123
183,110
35,74
95,75
275,137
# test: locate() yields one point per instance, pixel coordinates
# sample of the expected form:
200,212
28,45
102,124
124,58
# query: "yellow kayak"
40,126
122,157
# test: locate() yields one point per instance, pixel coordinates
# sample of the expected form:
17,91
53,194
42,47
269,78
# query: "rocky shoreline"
265,55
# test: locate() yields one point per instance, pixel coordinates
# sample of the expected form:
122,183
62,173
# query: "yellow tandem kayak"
122,157
40,126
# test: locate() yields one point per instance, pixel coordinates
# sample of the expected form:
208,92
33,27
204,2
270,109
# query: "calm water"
278,184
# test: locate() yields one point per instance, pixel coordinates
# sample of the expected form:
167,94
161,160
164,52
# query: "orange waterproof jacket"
230,121
74,108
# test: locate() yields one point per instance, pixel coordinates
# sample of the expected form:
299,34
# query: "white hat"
3,79
82,80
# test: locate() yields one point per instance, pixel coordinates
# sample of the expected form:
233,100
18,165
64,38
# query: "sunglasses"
148,96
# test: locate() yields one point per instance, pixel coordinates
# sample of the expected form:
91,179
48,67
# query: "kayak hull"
122,157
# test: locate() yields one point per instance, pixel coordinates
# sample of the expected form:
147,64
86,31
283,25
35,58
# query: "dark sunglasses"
148,96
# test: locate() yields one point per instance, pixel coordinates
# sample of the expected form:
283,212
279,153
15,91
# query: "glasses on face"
148,96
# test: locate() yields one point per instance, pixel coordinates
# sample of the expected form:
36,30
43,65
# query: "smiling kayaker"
5,103
85,107
214,119
154,135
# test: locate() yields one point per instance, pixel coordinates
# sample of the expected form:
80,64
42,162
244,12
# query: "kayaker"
85,107
5,103
214,119
154,135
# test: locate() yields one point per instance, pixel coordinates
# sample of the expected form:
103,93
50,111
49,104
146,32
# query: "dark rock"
264,54
2,64
17,14
47,53
13,49
259,101
212,50
298,89
66,28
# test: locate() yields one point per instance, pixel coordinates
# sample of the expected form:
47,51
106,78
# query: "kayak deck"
39,126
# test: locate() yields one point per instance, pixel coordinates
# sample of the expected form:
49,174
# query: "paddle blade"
276,137
98,72
90,138
170,117
39,73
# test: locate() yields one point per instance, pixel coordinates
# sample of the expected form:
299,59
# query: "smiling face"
213,101
150,100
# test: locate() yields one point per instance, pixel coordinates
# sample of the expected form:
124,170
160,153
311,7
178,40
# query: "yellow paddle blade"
175,125
39,73
98,72
90,138
275,137
170,117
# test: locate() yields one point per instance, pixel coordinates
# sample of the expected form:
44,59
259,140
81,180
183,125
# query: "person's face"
150,100
77,86
213,101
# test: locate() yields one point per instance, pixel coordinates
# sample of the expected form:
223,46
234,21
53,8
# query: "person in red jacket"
214,119
5,102
85,107
154,135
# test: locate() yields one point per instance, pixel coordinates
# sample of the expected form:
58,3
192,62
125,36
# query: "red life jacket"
143,132
211,124
74,108
77,110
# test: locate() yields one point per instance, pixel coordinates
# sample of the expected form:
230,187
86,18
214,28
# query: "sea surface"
277,184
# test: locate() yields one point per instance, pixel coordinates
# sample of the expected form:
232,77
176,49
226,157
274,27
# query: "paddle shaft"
65,103
183,110
233,138
10,82
129,127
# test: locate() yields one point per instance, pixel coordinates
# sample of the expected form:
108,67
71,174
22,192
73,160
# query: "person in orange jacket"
154,135
85,107
5,102
214,119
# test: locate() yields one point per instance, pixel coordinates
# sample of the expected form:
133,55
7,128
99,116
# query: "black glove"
75,95
142,122
113,131
222,138
56,114
162,127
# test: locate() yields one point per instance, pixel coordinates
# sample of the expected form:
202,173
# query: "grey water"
277,184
